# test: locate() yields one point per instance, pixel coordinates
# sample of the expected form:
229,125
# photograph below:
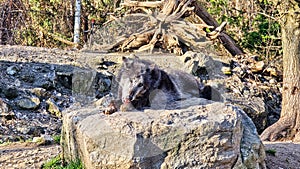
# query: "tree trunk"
287,127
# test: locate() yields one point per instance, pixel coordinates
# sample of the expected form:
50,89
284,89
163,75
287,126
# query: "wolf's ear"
127,62
124,59
155,72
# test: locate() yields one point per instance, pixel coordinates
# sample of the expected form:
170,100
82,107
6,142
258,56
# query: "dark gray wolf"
142,84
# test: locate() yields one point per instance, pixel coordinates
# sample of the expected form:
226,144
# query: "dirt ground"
287,155
26,155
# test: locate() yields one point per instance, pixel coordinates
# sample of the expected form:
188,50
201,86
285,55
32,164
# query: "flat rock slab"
204,136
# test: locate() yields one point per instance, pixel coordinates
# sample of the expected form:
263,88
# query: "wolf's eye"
140,85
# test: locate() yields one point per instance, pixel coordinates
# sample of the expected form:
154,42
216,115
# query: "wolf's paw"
110,109
126,107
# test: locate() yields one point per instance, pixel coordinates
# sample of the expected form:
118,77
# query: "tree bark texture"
289,123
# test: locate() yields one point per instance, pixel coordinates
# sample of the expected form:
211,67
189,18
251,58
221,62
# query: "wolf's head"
137,79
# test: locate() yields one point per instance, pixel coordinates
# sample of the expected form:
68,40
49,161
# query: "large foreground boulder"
214,135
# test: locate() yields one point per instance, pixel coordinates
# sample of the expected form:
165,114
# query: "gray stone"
12,70
82,82
43,140
255,108
202,65
104,84
40,92
11,92
53,108
29,102
44,83
215,135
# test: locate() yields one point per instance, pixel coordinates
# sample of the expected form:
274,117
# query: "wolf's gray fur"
142,84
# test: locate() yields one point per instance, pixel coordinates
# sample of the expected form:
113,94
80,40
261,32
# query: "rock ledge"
205,136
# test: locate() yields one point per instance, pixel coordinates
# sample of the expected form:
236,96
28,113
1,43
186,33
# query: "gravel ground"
26,155
29,155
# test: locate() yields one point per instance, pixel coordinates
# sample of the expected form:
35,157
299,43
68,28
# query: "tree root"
277,131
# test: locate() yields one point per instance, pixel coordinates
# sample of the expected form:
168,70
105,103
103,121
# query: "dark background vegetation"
49,23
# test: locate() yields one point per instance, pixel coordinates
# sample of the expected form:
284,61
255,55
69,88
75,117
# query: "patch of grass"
28,140
56,139
74,165
56,163
5,143
271,151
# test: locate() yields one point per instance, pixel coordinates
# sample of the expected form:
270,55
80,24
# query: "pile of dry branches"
173,26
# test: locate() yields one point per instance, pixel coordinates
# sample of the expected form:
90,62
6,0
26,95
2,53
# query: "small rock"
272,81
40,92
29,103
201,65
53,108
226,70
126,107
258,66
17,83
11,92
43,140
104,101
272,71
23,129
12,70
36,130
103,84
44,83
237,69
3,107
